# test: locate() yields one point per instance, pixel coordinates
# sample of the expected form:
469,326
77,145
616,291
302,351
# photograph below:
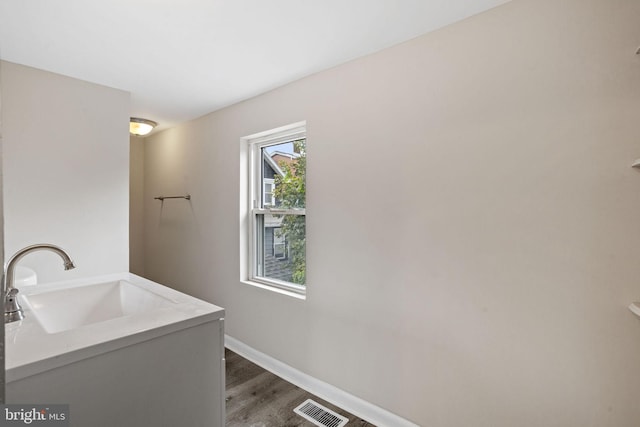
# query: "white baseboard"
350,403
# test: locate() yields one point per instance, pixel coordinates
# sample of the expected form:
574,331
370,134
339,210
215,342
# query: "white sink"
71,308
81,318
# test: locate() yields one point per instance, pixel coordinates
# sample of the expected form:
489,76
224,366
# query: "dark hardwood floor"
258,398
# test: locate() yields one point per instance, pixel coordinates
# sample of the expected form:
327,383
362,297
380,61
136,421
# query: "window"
268,192
276,239
279,244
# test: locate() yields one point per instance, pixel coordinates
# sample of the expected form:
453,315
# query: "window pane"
280,250
286,165
267,196
279,243
283,248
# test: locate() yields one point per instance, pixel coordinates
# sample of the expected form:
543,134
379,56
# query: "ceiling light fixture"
141,127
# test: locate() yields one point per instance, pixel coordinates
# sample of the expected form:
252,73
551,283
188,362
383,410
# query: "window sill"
275,289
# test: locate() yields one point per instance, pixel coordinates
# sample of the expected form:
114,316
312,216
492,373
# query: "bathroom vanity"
121,351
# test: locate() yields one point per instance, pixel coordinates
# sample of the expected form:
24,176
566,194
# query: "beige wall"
474,246
136,206
66,171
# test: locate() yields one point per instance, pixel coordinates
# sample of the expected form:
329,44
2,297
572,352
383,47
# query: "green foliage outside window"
290,192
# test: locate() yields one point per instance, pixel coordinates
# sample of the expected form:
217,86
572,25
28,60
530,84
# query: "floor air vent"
319,415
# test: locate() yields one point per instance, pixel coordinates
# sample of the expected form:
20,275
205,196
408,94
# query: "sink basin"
82,318
71,308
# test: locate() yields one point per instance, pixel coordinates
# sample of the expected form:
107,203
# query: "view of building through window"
283,223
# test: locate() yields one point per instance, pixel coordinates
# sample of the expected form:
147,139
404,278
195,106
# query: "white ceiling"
181,59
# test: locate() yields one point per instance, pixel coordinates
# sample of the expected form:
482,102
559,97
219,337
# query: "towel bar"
188,197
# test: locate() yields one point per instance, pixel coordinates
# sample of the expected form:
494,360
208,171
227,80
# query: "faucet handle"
12,309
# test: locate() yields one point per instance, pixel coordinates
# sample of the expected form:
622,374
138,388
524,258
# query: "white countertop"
29,349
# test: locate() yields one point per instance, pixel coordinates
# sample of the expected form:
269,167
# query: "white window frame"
255,192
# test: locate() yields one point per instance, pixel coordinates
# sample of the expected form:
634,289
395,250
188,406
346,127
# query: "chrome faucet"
12,309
